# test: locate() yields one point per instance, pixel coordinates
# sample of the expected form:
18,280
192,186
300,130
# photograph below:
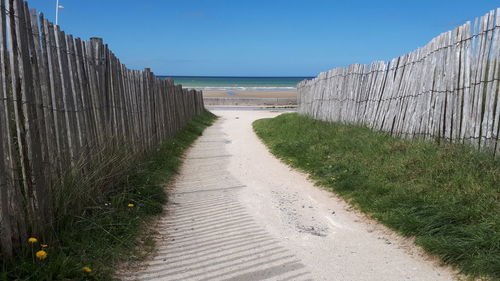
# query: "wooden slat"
7,228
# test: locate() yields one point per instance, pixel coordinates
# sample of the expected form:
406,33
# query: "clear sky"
260,37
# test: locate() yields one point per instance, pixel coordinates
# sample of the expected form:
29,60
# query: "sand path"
238,213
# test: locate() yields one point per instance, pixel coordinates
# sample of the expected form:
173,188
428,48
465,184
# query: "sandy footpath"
238,213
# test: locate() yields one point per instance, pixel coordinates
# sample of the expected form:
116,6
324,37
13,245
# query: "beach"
250,98
244,91
242,87
250,94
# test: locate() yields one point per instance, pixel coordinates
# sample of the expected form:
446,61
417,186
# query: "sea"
258,84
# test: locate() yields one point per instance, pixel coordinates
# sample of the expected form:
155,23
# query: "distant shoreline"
232,90
224,88
258,77
250,94
236,84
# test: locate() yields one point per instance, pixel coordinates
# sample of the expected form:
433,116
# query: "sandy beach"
250,94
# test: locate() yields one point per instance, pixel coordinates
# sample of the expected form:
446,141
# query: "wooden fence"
447,90
62,99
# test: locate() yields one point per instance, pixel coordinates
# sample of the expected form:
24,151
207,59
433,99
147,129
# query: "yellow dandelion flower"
41,254
32,240
130,205
44,245
87,269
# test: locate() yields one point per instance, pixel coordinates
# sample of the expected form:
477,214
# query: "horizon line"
223,76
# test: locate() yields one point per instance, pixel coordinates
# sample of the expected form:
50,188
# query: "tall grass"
100,209
446,196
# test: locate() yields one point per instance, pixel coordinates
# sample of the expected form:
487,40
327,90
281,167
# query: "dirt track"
237,213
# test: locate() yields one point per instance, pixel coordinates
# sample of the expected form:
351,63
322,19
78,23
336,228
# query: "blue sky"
259,38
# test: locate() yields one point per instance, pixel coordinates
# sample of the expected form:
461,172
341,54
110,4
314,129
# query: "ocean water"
238,83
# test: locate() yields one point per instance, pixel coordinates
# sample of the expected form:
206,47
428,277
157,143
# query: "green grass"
105,232
446,196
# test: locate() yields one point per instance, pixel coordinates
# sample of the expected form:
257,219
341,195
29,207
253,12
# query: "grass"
446,196
101,230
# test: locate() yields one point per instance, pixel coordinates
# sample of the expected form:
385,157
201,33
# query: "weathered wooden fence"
62,99
447,90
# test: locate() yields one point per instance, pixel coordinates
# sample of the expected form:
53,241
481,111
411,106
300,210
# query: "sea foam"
244,89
